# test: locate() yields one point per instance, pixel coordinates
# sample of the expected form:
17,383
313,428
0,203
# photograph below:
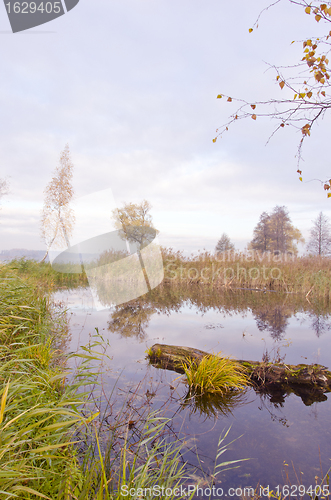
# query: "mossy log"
310,382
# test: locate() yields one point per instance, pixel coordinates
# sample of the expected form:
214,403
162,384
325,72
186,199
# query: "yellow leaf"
329,11
214,140
229,99
254,117
302,95
306,129
323,93
277,77
295,96
323,6
281,84
250,30
309,94
318,17
300,179
219,96
329,195
308,42
307,10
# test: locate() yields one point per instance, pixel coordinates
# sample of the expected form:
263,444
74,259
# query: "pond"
286,438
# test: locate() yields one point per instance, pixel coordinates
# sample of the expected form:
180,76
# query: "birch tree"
58,219
320,236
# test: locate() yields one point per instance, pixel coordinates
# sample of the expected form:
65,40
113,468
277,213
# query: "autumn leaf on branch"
305,85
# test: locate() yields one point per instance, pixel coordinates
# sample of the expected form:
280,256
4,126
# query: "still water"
284,438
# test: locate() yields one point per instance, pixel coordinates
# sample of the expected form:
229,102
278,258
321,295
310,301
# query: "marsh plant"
214,374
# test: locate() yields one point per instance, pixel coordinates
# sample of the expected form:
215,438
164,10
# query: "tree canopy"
275,233
135,223
320,236
224,244
308,81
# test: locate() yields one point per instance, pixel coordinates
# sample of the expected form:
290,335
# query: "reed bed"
308,275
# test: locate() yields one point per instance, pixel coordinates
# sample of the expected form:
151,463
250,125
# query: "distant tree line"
275,233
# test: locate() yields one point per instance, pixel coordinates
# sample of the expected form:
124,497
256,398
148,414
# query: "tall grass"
44,275
39,412
309,275
214,374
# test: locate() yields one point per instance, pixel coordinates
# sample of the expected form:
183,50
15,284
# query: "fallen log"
310,382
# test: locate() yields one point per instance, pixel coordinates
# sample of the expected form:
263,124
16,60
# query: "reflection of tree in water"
273,320
272,403
131,319
269,310
320,323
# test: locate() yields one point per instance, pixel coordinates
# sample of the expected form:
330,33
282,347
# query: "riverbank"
309,276
50,438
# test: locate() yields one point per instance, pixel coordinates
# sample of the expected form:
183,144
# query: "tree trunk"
310,382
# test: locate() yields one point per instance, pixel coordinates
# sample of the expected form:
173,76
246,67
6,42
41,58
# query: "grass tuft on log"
215,374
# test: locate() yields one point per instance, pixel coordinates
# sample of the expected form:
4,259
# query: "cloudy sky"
131,85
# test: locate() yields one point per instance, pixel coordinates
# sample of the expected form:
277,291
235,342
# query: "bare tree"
307,82
57,217
320,236
224,244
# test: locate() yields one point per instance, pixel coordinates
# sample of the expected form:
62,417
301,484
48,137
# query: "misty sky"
132,86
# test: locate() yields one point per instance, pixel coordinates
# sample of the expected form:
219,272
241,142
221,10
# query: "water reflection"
212,405
274,320
271,312
131,319
277,426
320,323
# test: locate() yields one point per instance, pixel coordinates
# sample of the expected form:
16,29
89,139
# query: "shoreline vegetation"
50,437
307,275
251,270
